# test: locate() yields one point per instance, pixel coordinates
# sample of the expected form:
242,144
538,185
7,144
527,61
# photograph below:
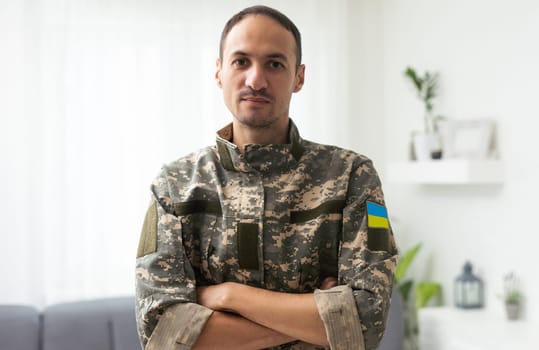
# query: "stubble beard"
256,118
255,121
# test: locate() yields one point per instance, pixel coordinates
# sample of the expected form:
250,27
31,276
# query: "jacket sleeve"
168,316
355,312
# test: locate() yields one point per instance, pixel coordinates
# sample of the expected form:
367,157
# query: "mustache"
255,93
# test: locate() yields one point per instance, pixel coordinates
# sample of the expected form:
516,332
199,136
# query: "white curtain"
94,97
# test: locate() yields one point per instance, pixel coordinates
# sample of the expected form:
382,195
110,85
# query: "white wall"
355,96
487,54
365,82
94,97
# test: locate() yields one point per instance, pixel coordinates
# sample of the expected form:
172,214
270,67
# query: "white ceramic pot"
512,311
425,144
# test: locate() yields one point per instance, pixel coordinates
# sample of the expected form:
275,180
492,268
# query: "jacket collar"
259,157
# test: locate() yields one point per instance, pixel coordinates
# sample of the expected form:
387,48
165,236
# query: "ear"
218,73
300,78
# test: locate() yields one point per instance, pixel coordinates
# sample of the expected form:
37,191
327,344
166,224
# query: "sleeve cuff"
338,311
179,327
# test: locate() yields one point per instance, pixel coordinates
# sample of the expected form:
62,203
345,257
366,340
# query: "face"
258,72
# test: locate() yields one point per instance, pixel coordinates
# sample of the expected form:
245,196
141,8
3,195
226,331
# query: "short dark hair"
266,11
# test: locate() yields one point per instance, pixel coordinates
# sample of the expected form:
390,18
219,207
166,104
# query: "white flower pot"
425,144
512,310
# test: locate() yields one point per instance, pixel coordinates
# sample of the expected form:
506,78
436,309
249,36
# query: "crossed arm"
252,318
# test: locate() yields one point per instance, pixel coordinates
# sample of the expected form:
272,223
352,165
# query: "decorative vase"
512,310
426,146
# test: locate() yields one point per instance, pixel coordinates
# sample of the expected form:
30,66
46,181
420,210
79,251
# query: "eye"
240,62
276,65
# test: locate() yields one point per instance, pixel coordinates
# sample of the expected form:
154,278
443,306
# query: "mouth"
256,99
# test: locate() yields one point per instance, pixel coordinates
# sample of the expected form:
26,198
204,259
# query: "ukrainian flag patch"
378,227
377,215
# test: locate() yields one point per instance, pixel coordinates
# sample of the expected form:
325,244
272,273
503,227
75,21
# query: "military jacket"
279,217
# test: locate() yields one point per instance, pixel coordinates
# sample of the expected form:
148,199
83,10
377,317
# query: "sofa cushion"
103,324
19,327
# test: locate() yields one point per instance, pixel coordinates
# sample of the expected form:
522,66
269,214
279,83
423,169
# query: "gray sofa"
106,324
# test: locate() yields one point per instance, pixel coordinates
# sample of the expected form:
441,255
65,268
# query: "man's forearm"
295,315
227,331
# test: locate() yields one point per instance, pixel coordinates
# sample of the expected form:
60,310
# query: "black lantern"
468,289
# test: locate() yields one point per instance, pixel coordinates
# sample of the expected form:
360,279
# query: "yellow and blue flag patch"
378,227
377,215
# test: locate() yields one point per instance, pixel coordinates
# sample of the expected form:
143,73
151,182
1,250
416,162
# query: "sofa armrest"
19,327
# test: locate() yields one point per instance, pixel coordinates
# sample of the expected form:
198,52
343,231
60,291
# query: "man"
265,240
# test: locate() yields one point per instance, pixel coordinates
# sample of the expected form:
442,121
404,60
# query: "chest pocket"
317,235
205,239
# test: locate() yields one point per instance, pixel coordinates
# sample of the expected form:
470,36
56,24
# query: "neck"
275,134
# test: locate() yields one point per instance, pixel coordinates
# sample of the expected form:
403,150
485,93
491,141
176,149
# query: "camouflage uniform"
279,217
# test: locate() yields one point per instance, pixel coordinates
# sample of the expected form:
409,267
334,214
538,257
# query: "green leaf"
426,86
405,262
424,292
410,73
431,85
405,289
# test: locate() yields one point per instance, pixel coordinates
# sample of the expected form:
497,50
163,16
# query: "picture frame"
469,139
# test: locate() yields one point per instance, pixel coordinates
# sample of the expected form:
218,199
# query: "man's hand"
328,283
220,326
292,314
214,297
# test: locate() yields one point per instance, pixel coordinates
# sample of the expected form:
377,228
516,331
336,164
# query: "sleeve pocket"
148,236
378,239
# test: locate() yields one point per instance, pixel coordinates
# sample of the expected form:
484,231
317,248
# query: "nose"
256,78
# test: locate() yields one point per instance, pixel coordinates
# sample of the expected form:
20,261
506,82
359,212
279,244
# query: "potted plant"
423,292
426,144
512,296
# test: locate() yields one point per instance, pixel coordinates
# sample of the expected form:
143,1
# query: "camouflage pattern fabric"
279,217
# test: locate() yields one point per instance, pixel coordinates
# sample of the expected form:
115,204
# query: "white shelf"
446,328
454,171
